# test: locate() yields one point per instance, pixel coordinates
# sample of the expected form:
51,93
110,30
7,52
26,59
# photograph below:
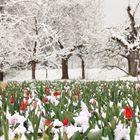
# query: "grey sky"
115,11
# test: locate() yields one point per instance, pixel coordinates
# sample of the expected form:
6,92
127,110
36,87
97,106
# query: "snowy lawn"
55,74
70,110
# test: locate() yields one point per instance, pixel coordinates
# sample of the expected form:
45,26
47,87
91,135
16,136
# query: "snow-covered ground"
55,74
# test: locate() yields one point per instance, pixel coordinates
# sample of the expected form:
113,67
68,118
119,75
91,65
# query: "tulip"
27,95
45,99
47,90
48,122
56,93
3,85
23,106
93,103
76,98
77,84
77,92
26,103
65,121
11,100
128,112
2,92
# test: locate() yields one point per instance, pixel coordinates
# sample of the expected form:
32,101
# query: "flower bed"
69,110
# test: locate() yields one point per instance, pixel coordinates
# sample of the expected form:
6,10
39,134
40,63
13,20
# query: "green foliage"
109,100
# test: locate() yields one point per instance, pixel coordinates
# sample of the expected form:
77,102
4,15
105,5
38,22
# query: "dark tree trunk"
83,69
133,55
132,65
33,63
1,76
46,73
65,68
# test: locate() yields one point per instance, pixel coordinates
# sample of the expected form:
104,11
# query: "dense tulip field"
43,110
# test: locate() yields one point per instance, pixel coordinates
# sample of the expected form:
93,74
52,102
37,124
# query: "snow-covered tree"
37,37
130,42
76,24
122,45
8,41
43,29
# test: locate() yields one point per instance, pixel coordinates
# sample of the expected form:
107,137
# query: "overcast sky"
115,11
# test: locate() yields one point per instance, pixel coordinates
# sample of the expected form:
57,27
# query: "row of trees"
33,32
36,32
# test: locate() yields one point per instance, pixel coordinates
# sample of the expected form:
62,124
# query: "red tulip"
26,103
45,99
56,93
128,112
47,122
65,121
23,106
27,95
11,100
47,90
2,92
77,92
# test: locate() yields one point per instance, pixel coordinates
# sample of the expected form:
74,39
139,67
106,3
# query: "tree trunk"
46,73
33,63
132,65
1,76
65,68
83,69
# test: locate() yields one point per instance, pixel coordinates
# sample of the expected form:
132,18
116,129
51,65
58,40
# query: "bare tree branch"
60,45
136,9
124,56
113,66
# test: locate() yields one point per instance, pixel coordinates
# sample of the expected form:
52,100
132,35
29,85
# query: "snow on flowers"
67,110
